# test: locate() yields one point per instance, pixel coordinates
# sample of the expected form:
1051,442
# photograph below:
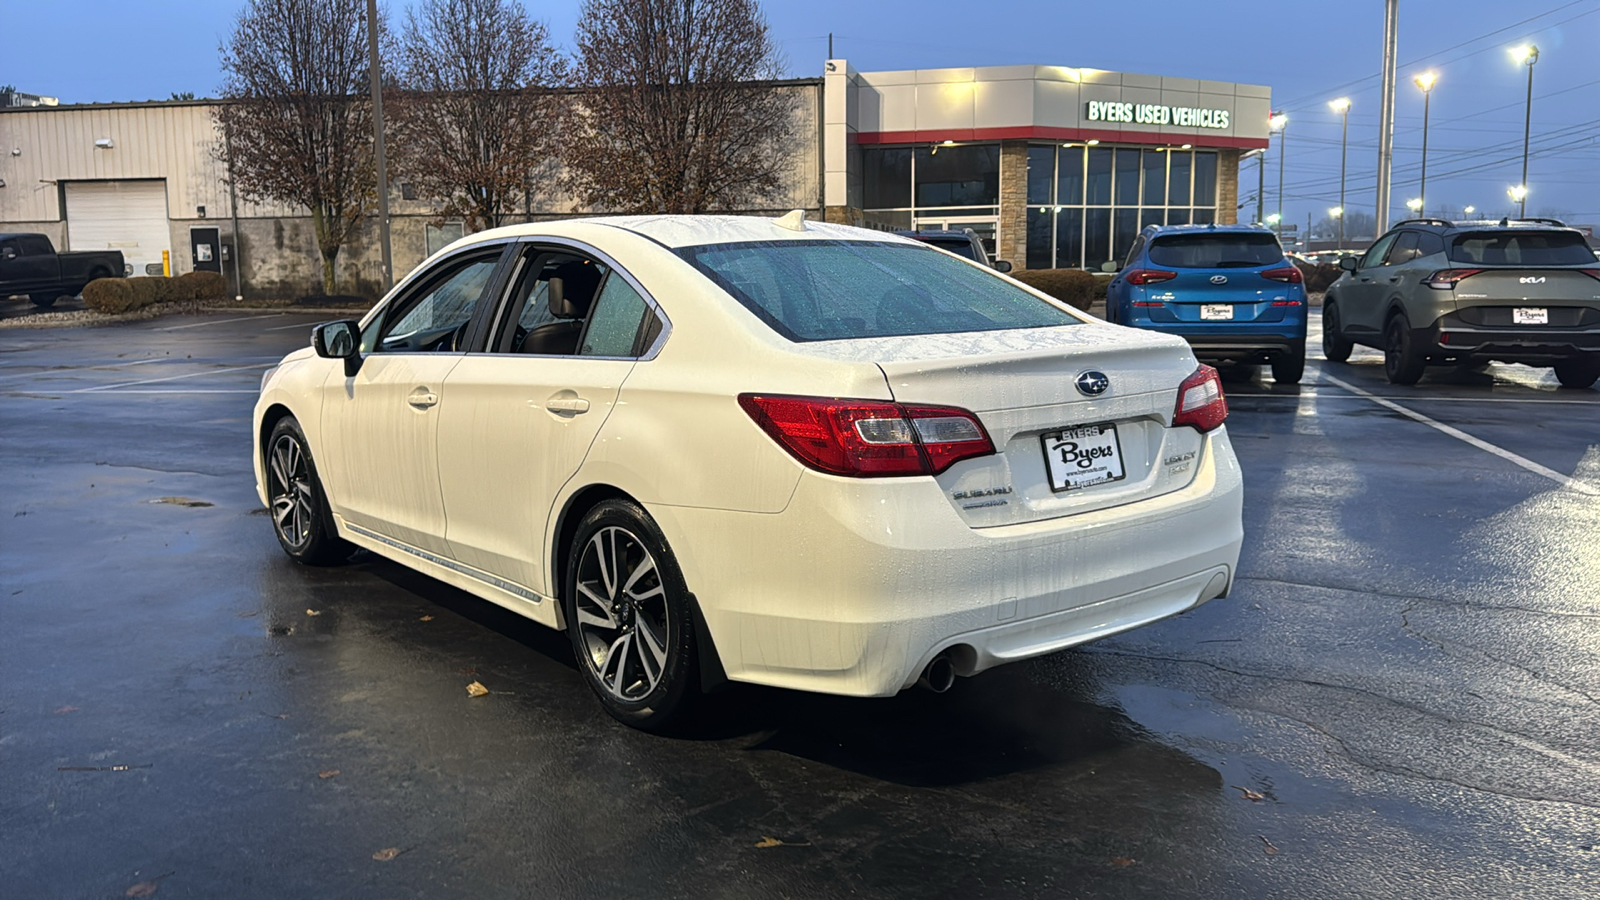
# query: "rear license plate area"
1530,315
1082,456
1216,312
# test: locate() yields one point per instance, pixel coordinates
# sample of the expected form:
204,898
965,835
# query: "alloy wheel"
623,619
290,490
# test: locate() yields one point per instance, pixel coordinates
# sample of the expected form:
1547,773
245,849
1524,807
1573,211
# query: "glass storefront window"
1069,177
1178,181
1099,186
1177,216
1155,178
1041,175
1125,227
1127,192
965,175
1040,219
1204,216
886,177
1205,179
1069,238
1096,238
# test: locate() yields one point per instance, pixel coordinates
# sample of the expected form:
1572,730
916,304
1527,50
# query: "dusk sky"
1308,53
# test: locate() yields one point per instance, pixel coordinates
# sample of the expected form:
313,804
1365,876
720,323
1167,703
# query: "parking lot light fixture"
1469,210
1279,122
1425,81
1519,193
1414,204
1342,107
1527,55
1274,219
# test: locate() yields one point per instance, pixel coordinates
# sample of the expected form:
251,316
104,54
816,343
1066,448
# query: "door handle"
572,405
422,399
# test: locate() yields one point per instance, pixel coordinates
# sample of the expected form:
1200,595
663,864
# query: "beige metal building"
1054,167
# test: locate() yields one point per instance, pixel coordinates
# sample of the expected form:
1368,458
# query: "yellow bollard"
166,263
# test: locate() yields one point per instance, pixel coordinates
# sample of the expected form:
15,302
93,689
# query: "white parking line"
1458,434
41,371
1315,393
219,322
295,325
108,387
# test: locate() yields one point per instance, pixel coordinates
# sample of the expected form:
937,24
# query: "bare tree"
477,114
296,119
670,120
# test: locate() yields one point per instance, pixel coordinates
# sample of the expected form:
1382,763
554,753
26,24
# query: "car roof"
1446,226
674,231
1157,230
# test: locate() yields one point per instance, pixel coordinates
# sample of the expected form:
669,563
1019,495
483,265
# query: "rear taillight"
1201,405
1592,273
1149,276
869,438
1445,279
1287,303
1287,275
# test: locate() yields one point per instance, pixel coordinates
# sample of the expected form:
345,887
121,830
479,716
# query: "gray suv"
1432,292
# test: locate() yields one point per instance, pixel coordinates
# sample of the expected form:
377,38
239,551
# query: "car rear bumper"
1450,336
859,583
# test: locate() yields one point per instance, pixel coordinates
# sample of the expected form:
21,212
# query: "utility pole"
1391,24
375,67
1261,188
1529,55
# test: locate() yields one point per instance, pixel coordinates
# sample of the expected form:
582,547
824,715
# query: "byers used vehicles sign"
1157,114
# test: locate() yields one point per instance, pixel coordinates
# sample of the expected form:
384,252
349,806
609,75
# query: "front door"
385,418
205,249
987,228
1361,297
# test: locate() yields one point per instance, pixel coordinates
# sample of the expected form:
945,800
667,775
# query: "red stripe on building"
1054,133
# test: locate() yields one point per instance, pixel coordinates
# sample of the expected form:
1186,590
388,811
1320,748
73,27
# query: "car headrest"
572,289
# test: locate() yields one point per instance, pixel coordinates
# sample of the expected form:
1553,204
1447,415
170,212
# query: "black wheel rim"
289,489
623,621
1393,348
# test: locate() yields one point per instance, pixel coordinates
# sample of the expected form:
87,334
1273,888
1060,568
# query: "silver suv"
1432,292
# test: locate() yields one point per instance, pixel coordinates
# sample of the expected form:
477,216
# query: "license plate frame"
1058,456
1530,315
1216,312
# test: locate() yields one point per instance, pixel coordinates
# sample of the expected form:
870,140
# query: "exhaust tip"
939,676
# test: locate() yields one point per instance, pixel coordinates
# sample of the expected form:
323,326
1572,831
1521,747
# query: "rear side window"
1521,248
1216,250
838,290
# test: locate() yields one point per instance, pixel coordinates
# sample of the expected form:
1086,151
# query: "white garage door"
130,216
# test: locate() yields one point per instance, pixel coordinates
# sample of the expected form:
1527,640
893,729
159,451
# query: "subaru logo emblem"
1219,279
1092,383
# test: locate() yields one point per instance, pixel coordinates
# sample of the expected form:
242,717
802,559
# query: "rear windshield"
1521,248
959,246
1221,250
837,290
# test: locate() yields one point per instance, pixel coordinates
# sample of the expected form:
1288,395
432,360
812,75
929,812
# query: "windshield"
959,246
837,290
1219,250
1521,248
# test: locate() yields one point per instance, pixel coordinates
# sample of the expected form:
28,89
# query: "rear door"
1218,277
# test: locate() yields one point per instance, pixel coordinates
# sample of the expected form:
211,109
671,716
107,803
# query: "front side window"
1376,252
839,290
1216,250
435,317
1521,248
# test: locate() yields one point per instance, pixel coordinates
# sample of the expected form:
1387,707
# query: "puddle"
183,501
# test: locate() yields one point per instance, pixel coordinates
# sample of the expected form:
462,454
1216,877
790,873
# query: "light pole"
375,68
1338,215
1342,107
1425,81
1527,54
1279,122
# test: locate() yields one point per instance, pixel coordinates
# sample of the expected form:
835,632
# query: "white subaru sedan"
761,450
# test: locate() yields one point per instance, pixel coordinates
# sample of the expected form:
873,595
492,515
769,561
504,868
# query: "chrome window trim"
405,284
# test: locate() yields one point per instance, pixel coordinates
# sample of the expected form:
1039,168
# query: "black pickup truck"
29,264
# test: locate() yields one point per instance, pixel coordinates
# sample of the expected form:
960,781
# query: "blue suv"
1227,289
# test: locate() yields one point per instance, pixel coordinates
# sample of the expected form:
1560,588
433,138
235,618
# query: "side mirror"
1349,263
339,340
1002,266
8,253
1110,266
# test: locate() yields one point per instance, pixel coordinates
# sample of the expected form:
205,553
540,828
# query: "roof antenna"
794,220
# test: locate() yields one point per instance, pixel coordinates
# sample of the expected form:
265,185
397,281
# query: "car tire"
1578,373
1334,345
1290,367
629,617
1402,361
44,301
296,501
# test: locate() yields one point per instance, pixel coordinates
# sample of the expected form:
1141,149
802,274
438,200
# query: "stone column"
1012,241
1227,187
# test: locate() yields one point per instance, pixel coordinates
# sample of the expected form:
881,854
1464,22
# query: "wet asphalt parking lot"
1401,698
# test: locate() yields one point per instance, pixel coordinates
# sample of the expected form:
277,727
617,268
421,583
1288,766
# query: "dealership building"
1053,167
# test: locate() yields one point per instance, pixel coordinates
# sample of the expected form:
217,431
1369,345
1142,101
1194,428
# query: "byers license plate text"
1082,456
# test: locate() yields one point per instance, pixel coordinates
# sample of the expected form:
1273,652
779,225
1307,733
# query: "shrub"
148,290
1074,287
109,295
1318,276
199,286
